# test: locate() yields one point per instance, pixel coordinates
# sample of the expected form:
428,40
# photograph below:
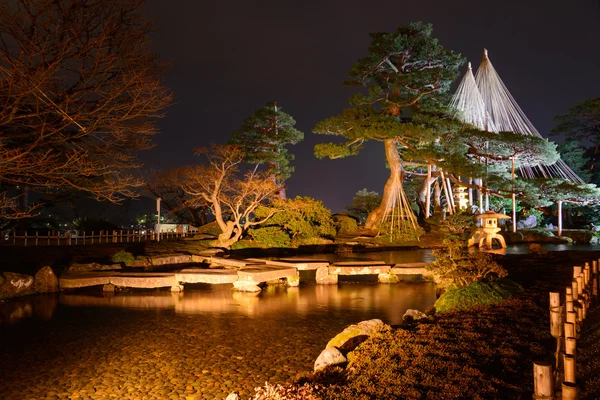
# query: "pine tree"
406,74
263,137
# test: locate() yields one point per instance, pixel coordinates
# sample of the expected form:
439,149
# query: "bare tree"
79,92
232,198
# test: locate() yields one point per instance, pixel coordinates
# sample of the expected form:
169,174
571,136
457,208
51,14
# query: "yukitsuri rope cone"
558,379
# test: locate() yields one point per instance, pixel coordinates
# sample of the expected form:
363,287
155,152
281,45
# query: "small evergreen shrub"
456,267
271,236
344,223
123,257
477,294
458,223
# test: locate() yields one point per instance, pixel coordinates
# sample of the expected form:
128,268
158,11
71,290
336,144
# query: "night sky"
230,58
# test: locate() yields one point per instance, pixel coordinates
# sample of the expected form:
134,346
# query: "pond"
201,344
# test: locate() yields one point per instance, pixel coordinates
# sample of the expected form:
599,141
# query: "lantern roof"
491,214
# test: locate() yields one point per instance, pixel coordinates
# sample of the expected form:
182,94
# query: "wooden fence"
82,237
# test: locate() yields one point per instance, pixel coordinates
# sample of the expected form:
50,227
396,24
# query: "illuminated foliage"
406,74
232,199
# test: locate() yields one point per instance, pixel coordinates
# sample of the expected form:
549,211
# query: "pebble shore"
102,353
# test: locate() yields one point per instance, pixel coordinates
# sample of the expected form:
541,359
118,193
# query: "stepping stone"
263,273
299,264
212,276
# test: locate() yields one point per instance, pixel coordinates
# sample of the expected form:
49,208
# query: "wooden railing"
82,237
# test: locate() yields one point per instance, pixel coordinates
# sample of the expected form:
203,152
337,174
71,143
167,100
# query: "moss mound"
124,257
477,294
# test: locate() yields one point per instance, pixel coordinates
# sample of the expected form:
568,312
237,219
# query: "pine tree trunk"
391,186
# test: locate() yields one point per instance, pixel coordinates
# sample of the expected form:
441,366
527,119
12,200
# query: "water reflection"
389,299
40,307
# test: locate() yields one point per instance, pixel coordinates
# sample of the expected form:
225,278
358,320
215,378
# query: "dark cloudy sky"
229,58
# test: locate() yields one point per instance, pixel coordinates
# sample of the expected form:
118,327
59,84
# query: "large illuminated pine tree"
407,74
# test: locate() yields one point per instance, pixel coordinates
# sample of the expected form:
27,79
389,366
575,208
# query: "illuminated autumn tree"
79,92
232,195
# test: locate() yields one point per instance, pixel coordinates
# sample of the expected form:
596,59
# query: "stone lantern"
488,230
461,197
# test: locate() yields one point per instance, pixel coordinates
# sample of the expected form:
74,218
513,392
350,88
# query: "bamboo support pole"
559,218
575,290
543,381
428,192
577,270
594,267
448,200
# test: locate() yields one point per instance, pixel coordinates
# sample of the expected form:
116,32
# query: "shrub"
477,294
123,257
301,218
458,223
344,223
456,267
212,228
271,236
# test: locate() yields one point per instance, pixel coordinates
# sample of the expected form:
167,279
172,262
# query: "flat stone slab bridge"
245,275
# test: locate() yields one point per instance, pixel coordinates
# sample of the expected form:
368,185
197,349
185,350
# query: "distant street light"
158,219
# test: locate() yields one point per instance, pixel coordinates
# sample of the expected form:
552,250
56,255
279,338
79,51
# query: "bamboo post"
92,237
577,270
555,315
48,238
571,346
569,330
569,363
575,290
25,238
569,305
36,237
580,285
569,391
572,317
594,267
543,380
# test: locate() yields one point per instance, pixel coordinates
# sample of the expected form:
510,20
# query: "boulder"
74,268
45,281
362,331
329,356
527,223
16,285
413,315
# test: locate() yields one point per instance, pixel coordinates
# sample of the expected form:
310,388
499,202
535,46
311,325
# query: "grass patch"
477,294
